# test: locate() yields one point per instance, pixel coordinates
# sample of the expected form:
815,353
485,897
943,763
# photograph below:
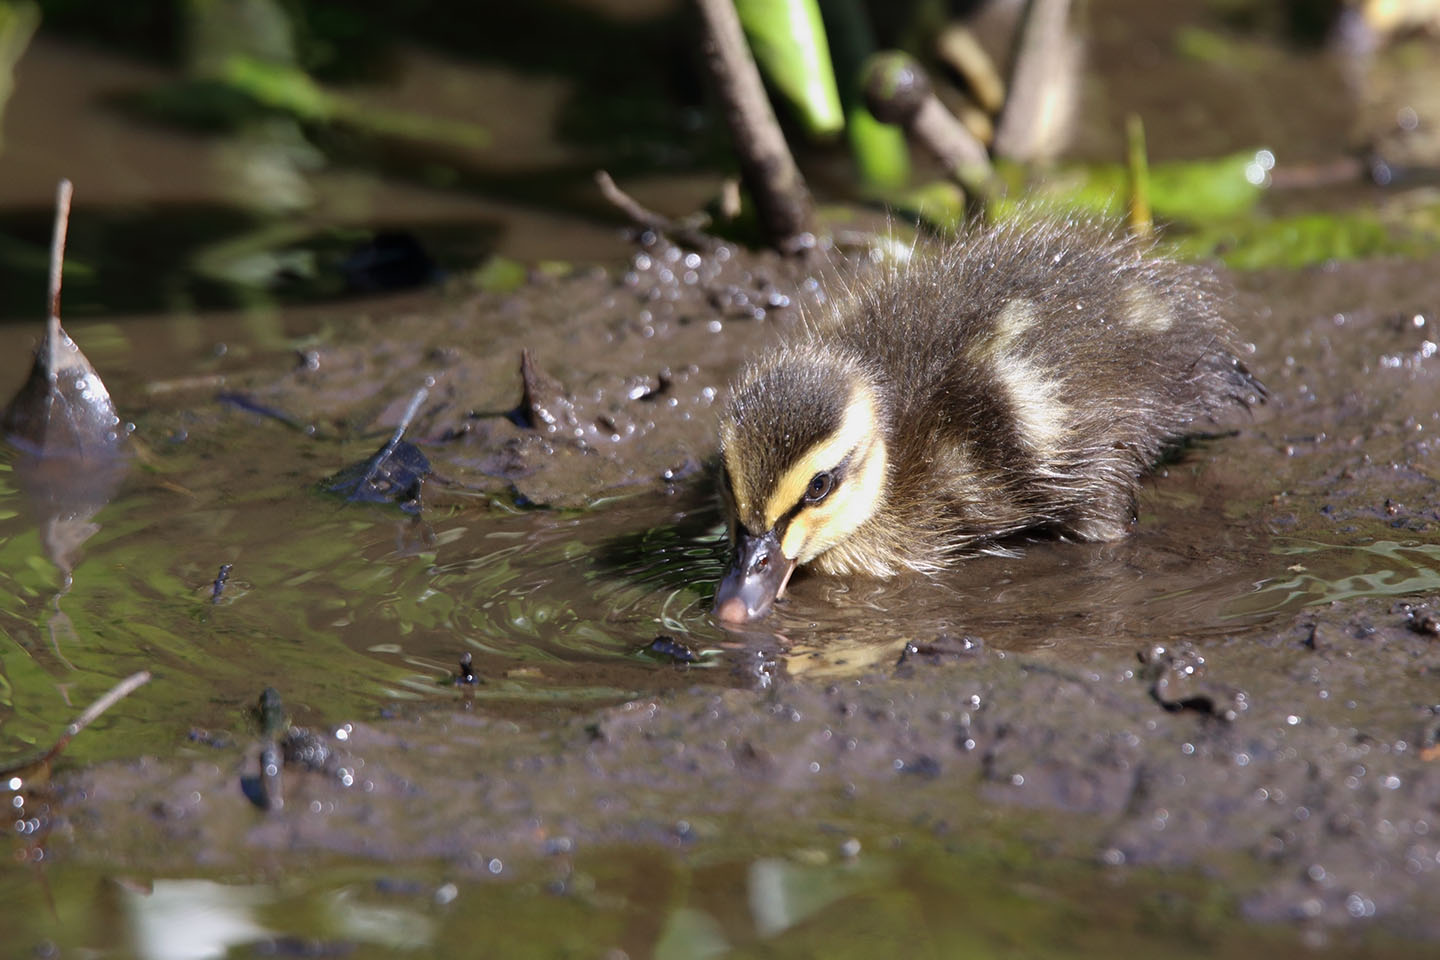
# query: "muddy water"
1200,694
1218,735
553,560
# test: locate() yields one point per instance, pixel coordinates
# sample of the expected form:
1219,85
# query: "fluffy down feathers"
1025,376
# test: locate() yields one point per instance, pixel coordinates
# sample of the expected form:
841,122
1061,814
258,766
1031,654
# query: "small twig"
640,215
242,401
782,200
1137,164
107,700
53,333
648,219
379,459
111,697
63,193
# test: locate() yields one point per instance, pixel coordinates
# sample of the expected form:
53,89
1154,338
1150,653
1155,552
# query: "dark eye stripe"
837,477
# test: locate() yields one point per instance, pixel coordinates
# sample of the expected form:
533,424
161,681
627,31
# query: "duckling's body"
1024,377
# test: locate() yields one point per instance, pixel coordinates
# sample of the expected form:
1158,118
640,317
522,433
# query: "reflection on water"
967,896
1331,572
191,919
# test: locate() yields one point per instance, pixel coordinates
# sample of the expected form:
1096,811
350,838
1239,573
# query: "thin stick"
378,461
640,215
409,415
107,700
63,194
782,200
643,216
111,697
898,90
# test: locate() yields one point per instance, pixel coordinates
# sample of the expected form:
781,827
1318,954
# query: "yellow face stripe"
859,423
821,526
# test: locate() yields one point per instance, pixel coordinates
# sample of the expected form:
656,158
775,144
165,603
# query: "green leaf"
1203,191
291,90
939,203
1299,241
881,157
17,25
1194,193
788,40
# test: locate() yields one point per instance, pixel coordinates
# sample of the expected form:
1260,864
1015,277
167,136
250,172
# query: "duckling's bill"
807,499
756,579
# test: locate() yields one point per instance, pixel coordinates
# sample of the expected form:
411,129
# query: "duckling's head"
803,452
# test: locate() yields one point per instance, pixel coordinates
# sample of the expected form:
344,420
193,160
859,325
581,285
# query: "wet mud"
508,719
1246,686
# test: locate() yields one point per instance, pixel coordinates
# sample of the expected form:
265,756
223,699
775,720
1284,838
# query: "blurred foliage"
1302,240
1218,49
613,104
879,150
279,79
292,91
935,202
790,46
500,275
1212,209
17,25
1305,22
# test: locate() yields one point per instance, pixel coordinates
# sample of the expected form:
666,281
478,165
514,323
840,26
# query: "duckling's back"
1031,375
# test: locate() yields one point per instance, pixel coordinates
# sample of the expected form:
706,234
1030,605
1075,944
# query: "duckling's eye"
820,486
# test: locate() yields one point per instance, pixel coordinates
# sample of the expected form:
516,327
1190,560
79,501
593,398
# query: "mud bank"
1246,686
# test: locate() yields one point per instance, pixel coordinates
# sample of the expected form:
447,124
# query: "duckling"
1025,377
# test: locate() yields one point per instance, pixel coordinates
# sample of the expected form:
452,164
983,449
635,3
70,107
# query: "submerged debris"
667,648
1176,675
241,401
309,750
1423,621
220,578
396,473
267,791
466,675
390,260
63,408
945,647
62,423
282,743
